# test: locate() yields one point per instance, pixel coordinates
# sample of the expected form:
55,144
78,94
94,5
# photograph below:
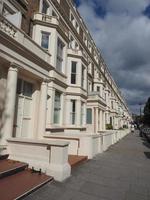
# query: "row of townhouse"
54,77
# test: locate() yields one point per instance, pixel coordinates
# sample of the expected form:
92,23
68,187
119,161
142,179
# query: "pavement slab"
121,173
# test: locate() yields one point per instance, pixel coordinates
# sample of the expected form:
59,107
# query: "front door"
23,114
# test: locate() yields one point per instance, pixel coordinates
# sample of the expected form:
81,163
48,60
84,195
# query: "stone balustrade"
96,96
51,20
8,28
78,52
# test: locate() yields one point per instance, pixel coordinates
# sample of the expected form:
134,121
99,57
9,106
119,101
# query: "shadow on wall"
2,105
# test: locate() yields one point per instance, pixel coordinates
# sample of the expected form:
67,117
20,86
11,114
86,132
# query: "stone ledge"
40,142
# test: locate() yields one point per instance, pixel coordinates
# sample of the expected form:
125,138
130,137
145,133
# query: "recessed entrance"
23,109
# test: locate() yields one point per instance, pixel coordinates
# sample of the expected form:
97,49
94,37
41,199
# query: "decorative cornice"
78,56
59,82
47,80
76,94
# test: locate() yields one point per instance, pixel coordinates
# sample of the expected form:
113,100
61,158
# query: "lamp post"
141,104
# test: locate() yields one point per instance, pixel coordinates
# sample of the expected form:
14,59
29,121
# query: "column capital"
46,80
14,67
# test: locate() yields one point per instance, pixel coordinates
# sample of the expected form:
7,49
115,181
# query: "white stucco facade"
56,84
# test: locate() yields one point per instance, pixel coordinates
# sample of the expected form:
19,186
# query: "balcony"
78,53
7,29
51,21
95,96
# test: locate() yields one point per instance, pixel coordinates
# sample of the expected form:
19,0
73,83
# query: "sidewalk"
121,173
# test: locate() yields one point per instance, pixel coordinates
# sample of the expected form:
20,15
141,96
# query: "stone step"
75,160
10,167
21,184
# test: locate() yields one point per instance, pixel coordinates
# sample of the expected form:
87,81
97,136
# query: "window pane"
73,111
27,89
73,106
57,107
82,113
73,79
60,47
89,116
59,64
45,40
82,77
19,86
73,72
73,68
45,7
54,14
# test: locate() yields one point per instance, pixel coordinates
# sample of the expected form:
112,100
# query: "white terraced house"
60,96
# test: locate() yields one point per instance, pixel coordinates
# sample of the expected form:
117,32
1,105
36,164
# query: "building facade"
53,76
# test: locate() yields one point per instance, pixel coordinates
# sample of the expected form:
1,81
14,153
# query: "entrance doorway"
23,109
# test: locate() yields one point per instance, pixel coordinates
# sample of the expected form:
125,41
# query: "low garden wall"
90,144
49,156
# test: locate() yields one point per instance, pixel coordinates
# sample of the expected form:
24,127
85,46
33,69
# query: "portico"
25,77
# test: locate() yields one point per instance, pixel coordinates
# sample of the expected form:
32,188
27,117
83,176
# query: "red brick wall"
64,5
26,26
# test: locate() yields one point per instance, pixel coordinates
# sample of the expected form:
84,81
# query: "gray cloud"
133,7
123,36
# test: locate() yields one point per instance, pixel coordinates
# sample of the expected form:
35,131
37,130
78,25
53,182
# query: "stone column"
67,113
105,117
63,104
42,109
78,113
84,117
59,167
101,121
10,103
97,121
85,76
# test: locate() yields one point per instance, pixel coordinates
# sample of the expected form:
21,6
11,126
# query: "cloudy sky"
121,29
